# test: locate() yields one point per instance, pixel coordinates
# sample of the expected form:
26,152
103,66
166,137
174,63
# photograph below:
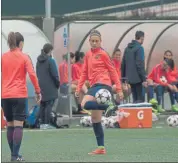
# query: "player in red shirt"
63,72
15,66
98,69
117,59
160,77
76,73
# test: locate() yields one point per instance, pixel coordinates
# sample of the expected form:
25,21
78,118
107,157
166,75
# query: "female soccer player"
160,78
99,70
63,72
76,72
15,64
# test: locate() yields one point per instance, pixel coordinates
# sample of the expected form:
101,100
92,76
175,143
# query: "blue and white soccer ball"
172,120
103,96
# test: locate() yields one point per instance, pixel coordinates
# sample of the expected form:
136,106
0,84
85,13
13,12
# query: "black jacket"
133,63
48,77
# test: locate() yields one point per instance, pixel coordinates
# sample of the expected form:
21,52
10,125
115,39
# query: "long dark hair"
116,50
19,38
170,63
79,55
11,40
46,49
14,39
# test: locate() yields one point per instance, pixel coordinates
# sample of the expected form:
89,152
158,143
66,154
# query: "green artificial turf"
73,145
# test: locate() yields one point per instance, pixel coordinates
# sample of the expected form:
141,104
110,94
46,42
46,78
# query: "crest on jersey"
97,56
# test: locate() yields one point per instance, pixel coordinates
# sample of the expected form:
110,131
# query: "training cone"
3,120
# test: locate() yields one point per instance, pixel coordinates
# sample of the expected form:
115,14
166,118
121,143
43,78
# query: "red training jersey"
15,65
172,76
117,65
63,72
76,71
98,68
156,74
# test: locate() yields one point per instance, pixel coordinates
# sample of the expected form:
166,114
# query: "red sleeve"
151,75
74,74
84,74
174,73
32,74
112,70
154,75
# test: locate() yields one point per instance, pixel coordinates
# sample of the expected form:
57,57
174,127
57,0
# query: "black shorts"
95,88
14,109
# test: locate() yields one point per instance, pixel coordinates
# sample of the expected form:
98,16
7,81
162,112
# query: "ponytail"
11,40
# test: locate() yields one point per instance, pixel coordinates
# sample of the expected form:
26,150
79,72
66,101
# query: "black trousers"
45,111
137,92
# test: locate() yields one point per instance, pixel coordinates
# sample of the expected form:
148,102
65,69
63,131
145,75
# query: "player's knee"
18,123
11,123
73,86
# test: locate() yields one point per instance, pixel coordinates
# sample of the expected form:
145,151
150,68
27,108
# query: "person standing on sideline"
15,66
133,66
49,83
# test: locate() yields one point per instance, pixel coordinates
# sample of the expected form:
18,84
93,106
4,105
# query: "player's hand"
171,87
125,87
145,84
120,95
150,82
77,94
38,98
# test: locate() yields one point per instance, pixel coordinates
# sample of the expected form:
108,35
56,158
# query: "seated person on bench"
76,73
160,79
116,59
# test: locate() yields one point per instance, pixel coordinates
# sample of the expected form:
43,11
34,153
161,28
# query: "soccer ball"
86,121
105,122
111,123
163,79
172,121
103,96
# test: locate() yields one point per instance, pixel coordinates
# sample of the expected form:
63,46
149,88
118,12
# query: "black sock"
17,139
10,132
176,96
79,107
98,130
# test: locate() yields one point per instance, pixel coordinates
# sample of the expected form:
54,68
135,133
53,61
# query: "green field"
73,145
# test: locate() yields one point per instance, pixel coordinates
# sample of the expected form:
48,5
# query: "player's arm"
123,68
151,74
154,75
32,74
84,74
74,75
113,73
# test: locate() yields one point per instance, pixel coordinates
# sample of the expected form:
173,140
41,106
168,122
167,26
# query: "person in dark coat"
49,83
133,66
